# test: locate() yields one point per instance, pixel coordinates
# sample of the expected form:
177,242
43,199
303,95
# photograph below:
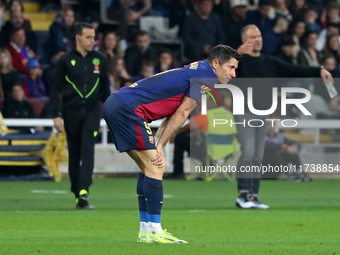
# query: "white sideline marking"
167,196
49,191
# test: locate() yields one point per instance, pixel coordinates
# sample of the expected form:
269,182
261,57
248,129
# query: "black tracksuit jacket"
82,81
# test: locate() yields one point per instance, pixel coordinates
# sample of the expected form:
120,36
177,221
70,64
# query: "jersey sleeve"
194,90
199,86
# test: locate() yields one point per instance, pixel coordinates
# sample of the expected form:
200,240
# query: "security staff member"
81,79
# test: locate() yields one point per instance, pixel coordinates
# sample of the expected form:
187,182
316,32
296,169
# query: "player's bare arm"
175,122
160,130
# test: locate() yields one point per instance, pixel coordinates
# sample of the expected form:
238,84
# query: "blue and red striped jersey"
160,95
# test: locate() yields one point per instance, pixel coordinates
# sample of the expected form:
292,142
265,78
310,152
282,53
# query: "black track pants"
81,130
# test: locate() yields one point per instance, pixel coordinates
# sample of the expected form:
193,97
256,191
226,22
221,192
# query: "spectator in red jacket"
20,53
17,19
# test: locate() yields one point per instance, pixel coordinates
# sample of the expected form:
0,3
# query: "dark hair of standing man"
80,27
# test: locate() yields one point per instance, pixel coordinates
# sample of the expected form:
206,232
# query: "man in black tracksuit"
81,78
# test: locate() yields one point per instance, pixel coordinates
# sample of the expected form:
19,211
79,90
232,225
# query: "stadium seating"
41,148
39,21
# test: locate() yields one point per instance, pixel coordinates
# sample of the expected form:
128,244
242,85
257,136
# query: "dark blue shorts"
129,131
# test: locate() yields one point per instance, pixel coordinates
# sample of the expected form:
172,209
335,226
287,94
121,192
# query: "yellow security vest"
221,139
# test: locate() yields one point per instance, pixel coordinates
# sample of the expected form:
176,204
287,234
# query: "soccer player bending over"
169,95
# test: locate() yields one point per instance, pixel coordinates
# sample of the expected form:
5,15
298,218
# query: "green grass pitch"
303,219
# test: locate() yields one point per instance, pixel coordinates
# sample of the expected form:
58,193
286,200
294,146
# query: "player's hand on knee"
58,124
159,160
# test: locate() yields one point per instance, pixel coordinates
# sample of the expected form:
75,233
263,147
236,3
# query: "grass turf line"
303,219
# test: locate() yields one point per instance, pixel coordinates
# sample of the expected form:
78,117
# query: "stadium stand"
40,21
41,148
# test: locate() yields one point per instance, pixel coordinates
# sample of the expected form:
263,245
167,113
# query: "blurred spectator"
260,17
201,31
19,51
311,17
117,73
318,5
108,45
125,11
148,70
62,33
88,8
139,53
235,22
332,46
332,29
272,37
297,8
32,84
17,20
94,19
286,51
329,62
332,14
128,83
2,11
165,61
280,151
49,71
178,11
8,75
17,7
308,55
297,30
222,7
321,105
16,107
50,5
281,9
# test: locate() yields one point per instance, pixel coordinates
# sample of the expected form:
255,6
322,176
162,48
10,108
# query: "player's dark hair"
223,53
80,27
